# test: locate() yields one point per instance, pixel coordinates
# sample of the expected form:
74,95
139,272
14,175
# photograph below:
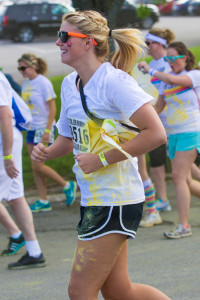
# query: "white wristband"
152,72
103,159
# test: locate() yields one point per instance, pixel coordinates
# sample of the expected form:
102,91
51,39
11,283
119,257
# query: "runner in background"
157,40
38,93
179,90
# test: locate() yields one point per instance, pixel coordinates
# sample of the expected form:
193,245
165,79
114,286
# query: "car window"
42,11
58,10
18,10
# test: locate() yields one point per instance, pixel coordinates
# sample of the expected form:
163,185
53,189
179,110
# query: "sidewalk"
170,265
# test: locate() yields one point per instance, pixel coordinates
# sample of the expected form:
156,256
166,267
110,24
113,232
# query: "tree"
108,8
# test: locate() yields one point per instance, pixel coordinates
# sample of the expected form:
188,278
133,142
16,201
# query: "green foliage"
143,11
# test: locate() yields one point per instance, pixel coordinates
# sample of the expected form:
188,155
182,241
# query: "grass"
64,165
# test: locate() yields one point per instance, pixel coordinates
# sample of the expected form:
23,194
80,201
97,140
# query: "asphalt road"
185,29
170,265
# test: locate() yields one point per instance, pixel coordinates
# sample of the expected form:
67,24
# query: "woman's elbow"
162,138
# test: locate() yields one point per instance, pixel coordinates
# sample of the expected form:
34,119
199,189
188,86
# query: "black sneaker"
27,261
14,245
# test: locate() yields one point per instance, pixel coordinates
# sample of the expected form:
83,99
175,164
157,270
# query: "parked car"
194,8
23,20
180,7
128,15
166,8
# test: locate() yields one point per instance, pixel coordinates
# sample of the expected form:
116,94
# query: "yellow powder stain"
179,114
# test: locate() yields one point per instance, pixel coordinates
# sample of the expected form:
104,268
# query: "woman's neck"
86,70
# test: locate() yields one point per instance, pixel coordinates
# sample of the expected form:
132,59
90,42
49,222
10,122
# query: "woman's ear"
89,42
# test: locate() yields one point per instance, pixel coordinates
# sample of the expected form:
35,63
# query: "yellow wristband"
47,130
8,157
103,159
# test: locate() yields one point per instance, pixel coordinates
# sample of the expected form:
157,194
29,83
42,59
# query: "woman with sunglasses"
112,193
179,91
38,93
157,40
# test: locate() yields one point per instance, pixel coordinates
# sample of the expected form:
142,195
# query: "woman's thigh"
182,163
93,262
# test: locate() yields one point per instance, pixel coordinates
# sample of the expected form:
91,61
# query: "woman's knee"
78,291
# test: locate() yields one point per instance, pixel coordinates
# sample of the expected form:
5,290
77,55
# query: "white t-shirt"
36,93
5,95
183,113
110,93
161,66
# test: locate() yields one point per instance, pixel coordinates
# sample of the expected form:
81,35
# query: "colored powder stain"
69,44
78,268
80,253
180,114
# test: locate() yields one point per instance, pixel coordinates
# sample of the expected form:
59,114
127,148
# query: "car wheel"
147,23
25,34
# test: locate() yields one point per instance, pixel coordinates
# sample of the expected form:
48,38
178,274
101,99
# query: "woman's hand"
88,162
143,66
10,168
39,153
45,138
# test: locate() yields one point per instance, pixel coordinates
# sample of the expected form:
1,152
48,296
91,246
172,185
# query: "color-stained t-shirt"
183,113
161,66
36,93
110,94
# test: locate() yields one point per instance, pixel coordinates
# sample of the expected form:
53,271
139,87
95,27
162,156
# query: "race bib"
80,134
39,133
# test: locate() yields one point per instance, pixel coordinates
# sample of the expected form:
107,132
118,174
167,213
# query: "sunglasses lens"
63,35
22,68
147,43
173,59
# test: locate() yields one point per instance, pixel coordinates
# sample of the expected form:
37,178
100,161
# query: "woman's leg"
118,284
153,217
7,221
181,166
23,217
101,264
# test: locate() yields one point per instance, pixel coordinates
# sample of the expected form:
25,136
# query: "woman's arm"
52,113
160,104
182,80
61,147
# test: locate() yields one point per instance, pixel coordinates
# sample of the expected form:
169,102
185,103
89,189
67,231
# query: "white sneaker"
178,232
163,206
151,219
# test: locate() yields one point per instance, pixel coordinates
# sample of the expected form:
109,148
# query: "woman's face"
26,71
72,51
180,63
153,47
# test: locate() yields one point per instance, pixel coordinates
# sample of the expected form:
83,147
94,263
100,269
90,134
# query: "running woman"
112,193
179,91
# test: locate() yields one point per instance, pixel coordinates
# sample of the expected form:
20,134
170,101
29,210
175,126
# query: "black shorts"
97,221
158,156
197,160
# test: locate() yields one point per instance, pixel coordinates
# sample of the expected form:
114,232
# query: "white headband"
156,38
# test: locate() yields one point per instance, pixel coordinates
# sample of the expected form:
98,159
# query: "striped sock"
150,198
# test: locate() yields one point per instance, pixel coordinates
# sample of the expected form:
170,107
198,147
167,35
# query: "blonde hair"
36,62
129,40
164,33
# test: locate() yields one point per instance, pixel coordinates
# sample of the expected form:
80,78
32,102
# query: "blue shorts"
31,134
183,142
97,221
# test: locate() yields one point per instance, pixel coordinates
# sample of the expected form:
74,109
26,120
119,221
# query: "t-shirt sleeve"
125,94
62,124
47,90
4,101
195,77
